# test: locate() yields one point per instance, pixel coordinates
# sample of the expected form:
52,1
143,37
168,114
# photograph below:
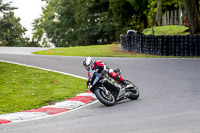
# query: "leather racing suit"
100,66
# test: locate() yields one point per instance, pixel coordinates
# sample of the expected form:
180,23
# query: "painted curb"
58,108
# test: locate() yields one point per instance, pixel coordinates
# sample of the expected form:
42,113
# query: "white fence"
175,17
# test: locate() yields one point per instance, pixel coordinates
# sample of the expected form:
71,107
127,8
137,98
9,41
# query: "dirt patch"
118,49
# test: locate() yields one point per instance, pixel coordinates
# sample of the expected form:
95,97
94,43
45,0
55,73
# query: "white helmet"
88,63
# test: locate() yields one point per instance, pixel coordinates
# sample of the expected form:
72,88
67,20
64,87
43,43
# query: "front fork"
105,90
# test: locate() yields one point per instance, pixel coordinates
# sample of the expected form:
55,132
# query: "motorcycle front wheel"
107,100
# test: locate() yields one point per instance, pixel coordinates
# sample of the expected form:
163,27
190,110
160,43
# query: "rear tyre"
103,98
134,92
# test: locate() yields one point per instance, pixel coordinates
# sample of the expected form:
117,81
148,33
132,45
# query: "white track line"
28,116
45,69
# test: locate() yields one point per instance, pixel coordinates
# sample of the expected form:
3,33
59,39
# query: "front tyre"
107,100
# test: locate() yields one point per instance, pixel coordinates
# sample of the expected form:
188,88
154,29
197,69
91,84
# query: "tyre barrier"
178,45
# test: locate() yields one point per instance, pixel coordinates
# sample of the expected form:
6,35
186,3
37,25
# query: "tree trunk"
192,16
145,21
197,4
159,13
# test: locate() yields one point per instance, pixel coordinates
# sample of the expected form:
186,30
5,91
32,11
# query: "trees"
140,9
193,15
96,22
89,22
5,7
191,8
86,22
11,30
162,7
122,12
76,22
159,13
57,23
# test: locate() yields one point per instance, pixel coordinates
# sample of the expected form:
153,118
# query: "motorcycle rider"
99,66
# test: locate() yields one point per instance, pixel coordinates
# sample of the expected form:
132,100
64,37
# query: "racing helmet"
88,63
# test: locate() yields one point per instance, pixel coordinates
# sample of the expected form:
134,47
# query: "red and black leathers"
100,66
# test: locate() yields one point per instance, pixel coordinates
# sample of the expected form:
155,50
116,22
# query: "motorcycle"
109,90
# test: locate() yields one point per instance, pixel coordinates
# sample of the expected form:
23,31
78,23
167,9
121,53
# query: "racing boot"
124,83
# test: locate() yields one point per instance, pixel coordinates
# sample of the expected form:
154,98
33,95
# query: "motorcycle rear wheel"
106,100
134,92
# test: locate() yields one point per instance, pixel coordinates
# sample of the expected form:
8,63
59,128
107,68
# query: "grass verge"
167,30
111,50
24,88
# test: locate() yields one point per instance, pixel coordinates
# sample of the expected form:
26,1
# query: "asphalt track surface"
169,99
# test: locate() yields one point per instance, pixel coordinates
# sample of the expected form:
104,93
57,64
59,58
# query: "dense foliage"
91,22
67,23
87,22
11,31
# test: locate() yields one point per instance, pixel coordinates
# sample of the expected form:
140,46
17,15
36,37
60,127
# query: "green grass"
167,30
114,50
73,51
111,50
94,51
24,88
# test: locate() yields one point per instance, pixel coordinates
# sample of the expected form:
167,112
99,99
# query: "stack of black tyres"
179,45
